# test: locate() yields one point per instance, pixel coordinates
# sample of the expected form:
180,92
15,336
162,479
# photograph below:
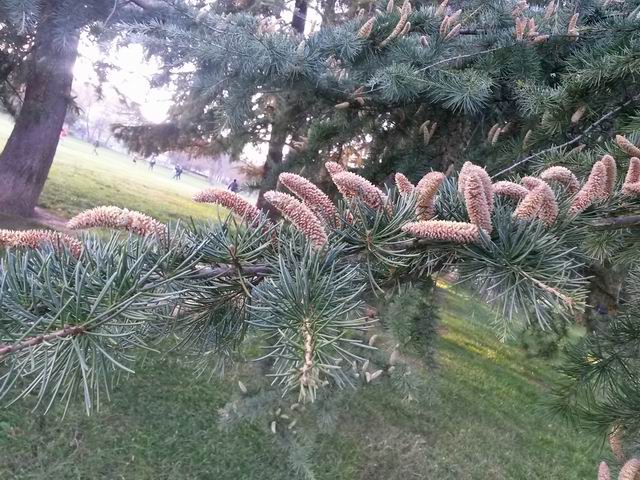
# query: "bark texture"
603,301
277,140
29,151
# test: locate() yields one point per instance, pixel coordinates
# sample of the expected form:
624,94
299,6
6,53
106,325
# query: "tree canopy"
534,106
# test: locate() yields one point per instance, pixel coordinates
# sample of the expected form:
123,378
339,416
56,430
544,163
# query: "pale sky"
132,79
135,72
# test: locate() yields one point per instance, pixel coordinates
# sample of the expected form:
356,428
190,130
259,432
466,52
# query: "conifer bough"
302,287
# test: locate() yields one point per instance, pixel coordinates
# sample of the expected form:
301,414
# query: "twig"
262,270
67,331
553,291
570,142
614,223
113,10
226,271
459,57
477,32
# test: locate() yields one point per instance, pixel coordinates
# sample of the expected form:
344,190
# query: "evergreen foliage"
602,377
350,94
72,319
515,88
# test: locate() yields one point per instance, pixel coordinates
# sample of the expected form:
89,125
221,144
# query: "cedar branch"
570,142
615,223
67,331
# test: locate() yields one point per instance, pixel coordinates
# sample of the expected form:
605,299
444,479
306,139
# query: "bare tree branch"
262,270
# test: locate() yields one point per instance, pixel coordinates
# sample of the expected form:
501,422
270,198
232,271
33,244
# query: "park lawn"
79,179
481,417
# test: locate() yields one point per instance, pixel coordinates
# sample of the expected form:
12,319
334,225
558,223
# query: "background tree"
516,88
359,84
500,90
40,45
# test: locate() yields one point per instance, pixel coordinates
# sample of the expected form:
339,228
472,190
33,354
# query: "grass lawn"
79,179
482,419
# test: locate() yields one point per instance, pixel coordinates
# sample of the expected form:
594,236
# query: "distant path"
51,220
42,219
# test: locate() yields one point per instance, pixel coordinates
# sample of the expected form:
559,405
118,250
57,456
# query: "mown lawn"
80,179
481,418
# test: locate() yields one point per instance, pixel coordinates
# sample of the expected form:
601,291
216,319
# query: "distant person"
96,146
152,163
233,186
178,172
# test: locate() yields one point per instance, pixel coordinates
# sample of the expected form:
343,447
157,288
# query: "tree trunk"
277,140
604,296
29,152
279,127
328,13
299,16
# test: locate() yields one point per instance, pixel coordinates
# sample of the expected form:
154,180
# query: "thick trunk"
328,13
279,127
299,16
279,132
27,156
448,146
604,296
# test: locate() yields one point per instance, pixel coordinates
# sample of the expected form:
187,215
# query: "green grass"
79,179
482,418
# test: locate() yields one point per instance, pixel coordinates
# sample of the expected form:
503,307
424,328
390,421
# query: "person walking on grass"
178,174
96,146
152,163
233,186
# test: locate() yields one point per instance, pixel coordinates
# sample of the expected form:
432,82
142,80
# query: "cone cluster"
299,215
563,176
442,230
405,187
510,189
334,167
540,203
311,196
34,239
230,200
631,184
593,190
427,188
475,186
630,471
117,218
352,185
